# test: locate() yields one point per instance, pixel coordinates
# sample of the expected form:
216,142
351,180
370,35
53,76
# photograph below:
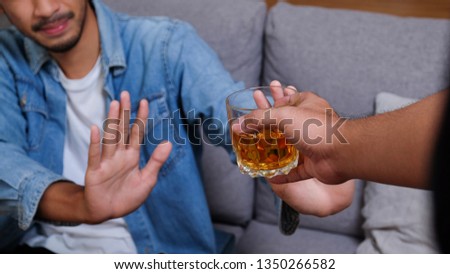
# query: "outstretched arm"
393,148
114,183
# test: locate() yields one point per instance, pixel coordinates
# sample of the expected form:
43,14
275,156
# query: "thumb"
157,160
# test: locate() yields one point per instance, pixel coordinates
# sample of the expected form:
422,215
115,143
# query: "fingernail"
165,142
292,87
275,83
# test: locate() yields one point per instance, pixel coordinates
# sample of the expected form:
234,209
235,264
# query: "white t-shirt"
86,106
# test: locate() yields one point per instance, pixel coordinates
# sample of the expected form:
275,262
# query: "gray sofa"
348,57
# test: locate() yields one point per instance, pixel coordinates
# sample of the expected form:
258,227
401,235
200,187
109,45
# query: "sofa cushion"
261,238
230,194
346,222
234,29
349,56
397,219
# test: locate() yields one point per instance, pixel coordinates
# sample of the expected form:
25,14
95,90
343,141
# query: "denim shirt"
156,58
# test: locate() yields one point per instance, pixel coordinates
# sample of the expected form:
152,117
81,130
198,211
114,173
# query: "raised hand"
114,183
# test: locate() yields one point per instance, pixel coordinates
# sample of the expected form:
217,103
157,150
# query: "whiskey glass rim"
241,91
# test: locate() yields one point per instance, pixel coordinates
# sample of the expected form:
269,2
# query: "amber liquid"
265,150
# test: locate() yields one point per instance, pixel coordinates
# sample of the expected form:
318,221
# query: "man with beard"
64,69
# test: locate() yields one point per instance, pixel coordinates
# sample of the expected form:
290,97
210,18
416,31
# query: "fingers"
290,90
279,93
111,131
292,100
158,158
282,96
261,100
256,120
94,154
117,127
138,129
277,90
124,120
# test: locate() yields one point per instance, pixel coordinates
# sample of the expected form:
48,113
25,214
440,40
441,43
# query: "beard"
68,43
64,46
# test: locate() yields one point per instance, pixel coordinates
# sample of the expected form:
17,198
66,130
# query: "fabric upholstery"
349,56
261,238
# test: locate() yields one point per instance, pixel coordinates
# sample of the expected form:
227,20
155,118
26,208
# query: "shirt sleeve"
204,82
22,180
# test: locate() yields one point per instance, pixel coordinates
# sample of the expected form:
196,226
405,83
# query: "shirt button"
23,101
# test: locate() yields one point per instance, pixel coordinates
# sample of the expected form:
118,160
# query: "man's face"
56,25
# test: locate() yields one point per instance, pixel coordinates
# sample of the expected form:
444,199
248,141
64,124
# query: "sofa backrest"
348,57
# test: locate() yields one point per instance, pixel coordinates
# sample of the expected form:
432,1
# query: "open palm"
114,183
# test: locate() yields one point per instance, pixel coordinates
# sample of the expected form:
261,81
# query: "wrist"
344,151
63,201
